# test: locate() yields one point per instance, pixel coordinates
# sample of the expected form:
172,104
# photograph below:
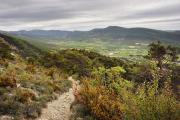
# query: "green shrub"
101,102
122,99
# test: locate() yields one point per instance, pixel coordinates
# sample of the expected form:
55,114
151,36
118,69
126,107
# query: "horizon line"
87,30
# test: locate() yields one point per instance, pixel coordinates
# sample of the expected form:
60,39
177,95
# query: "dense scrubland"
133,90
111,88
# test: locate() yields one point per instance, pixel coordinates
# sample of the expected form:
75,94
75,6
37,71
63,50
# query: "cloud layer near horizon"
88,14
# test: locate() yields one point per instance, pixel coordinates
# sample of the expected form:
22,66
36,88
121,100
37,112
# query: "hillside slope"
24,48
26,87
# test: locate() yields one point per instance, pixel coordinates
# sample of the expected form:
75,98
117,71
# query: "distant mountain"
177,32
111,33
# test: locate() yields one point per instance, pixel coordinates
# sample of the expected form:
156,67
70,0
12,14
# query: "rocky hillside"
25,86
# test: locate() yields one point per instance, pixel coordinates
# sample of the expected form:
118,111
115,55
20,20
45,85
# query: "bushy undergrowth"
79,62
108,96
25,88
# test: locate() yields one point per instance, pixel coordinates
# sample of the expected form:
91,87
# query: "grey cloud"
44,11
16,14
162,11
37,14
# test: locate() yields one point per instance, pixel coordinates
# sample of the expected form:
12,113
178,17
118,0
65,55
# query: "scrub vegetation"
111,88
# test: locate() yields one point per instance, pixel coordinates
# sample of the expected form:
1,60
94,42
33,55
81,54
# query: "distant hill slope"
24,48
177,32
111,33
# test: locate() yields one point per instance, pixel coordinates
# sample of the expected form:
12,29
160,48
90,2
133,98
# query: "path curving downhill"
60,109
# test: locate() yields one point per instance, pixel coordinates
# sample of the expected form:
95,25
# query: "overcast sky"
89,14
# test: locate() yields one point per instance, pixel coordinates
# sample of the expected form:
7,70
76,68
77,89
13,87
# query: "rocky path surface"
60,108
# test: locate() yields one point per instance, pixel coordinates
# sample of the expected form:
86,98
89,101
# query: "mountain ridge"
111,33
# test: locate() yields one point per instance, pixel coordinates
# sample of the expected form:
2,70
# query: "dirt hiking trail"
60,109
